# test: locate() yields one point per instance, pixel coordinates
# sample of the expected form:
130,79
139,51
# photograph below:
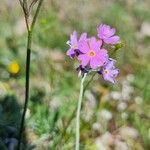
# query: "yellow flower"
13,67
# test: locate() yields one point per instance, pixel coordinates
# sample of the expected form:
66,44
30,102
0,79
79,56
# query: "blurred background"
114,117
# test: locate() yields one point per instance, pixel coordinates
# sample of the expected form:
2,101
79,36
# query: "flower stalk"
28,59
77,145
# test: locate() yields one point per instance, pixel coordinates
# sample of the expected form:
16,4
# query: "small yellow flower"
13,67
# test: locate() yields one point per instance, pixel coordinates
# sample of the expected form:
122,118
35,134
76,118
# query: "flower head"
74,43
92,54
13,67
107,34
109,72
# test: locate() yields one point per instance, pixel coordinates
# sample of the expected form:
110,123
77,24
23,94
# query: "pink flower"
107,34
109,72
74,43
92,54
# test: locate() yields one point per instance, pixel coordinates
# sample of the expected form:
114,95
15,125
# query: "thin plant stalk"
88,83
77,144
72,116
28,58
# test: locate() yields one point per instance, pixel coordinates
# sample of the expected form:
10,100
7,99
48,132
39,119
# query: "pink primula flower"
74,43
109,72
107,34
92,54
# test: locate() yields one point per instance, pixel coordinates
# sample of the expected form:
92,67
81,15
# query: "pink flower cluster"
92,55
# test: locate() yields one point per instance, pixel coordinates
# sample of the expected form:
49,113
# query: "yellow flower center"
91,53
75,46
106,71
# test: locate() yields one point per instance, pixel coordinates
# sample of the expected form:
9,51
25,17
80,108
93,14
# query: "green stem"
36,14
72,116
28,59
78,113
26,87
88,83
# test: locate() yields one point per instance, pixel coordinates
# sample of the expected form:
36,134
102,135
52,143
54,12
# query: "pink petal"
115,72
83,36
110,63
73,38
112,32
99,43
108,78
100,31
102,56
70,52
112,40
94,63
94,44
84,47
84,59
106,30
